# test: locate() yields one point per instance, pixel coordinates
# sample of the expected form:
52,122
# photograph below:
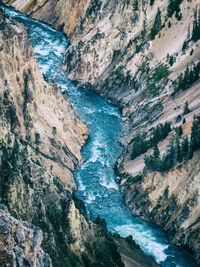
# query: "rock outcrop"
20,243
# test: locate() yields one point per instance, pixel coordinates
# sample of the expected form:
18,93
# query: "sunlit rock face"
61,14
40,142
43,117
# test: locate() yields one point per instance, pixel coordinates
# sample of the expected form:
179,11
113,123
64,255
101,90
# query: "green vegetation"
120,79
174,7
131,180
186,108
37,138
156,80
171,59
94,7
54,130
157,26
195,134
176,152
185,45
135,5
186,80
160,72
196,26
152,2
141,144
179,131
101,222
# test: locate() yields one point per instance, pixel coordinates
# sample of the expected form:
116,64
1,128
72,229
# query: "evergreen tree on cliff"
157,25
195,134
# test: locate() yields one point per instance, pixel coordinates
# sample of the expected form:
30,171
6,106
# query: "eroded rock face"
20,243
43,9
37,112
40,146
61,14
171,200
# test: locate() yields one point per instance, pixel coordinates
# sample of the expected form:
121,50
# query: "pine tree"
186,108
152,2
185,147
196,26
166,129
186,78
196,72
139,146
179,131
181,85
157,26
174,6
156,152
179,154
195,134
135,5
171,60
185,45
190,152
144,26
191,76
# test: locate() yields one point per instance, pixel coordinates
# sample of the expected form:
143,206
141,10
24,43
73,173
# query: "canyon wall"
116,53
41,139
42,223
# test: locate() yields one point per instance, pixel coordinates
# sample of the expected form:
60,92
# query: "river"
96,177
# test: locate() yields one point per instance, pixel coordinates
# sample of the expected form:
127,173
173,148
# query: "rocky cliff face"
60,14
20,243
42,223
170,200
40,146
132,53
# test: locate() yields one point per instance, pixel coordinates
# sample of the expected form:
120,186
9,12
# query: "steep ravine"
42,223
